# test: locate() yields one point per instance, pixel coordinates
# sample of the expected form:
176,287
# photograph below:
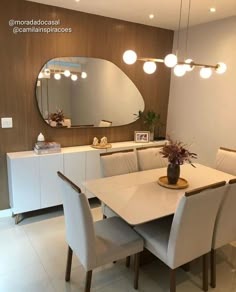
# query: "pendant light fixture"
67,73
60,69
171,60
74,77
57,76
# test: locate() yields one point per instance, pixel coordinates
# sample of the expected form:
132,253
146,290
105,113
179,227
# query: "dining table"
138,197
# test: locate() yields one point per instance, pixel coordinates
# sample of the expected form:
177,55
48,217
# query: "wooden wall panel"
23,55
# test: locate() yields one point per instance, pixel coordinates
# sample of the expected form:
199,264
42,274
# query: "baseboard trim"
5,213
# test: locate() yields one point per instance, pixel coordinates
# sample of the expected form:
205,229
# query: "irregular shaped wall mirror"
88,91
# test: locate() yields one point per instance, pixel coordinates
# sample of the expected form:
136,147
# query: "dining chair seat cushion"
150,158
107,211
226,161
115,240
120,163
156,236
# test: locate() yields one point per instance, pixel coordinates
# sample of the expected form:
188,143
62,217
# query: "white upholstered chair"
95,244
226,160
116,163
225,226
150,158
67,123
188,235
105,123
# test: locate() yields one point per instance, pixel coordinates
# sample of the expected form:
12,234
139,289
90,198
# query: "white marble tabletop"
138,198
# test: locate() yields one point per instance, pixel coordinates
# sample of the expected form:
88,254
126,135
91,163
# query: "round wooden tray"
181,183
102,146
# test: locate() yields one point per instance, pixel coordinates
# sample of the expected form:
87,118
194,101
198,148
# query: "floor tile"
33,259
26,279
16,251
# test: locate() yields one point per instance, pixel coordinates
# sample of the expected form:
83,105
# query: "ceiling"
166,11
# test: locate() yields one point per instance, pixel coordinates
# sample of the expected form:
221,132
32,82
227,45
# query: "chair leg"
205,272
68,264
213,268
136,269
127,262
172,280
88,281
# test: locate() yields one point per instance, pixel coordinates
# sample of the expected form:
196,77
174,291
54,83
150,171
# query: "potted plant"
177,155
151,119
57,117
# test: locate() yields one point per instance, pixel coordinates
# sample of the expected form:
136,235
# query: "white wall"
202,113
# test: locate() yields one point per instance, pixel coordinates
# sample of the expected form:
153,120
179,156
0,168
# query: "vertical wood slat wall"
22,55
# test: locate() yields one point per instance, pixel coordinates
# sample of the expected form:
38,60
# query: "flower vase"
173,173
152,131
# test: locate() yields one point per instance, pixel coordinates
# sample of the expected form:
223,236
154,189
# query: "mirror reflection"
86,92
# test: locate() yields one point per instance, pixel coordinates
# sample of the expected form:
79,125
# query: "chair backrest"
193,223
119,162
225,226
67,122
104,123
150,158
80,234
226,160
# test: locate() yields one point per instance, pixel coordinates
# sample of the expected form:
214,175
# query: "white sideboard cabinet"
24,183
50,193
33,180
82,164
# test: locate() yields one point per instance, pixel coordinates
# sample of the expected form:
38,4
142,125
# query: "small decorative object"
40,138
151,119
53,123
95,141
141,136
102,145
57,117
176,155
103,141
181,183
43,147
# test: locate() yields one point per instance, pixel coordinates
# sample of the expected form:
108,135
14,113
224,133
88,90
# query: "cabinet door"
50,187
74,168
93,167
24,184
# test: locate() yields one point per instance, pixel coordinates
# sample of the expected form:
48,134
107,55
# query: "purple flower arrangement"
176,153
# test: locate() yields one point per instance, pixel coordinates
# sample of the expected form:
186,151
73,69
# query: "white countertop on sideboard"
84,148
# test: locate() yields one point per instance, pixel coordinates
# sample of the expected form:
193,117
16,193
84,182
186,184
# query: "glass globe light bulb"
221,68
84,75
149,67
170,60
205,72
47,72
40,75
129,57
74,77
189,67
67,73
179,70
57,76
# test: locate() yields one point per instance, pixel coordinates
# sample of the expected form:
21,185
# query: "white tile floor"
33,257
